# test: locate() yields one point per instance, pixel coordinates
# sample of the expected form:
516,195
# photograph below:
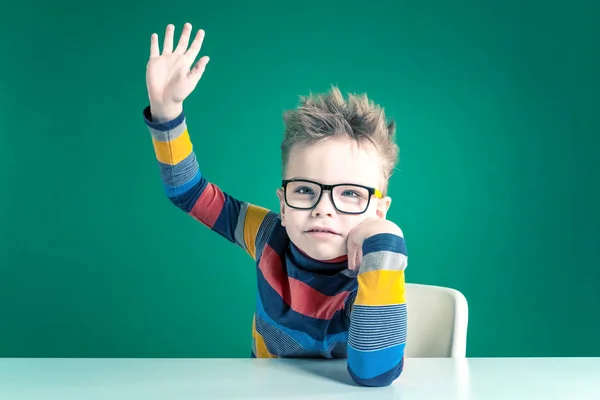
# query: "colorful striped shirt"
304,307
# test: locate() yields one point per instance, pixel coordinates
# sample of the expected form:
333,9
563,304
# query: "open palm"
170,77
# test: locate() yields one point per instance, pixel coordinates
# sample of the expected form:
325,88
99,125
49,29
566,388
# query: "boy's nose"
324,206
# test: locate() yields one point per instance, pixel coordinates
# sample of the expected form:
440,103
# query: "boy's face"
329,162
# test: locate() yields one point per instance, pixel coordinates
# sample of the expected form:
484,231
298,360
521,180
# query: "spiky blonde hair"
322,116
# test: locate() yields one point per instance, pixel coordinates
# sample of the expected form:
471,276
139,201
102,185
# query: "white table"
199,379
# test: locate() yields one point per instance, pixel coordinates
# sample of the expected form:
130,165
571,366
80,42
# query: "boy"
330,267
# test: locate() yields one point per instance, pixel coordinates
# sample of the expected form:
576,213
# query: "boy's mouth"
322,231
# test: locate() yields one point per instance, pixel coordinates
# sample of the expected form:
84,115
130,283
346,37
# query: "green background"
497,189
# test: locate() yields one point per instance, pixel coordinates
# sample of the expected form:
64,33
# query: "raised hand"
170,77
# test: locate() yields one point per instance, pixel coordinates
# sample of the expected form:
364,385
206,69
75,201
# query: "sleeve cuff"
384,242
162,126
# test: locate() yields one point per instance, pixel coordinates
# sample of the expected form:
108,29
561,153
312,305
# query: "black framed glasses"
347,198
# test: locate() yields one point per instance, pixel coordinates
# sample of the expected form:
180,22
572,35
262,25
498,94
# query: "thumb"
198,69
351,255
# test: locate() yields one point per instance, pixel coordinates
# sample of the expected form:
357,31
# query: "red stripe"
209,205
337,260
298,295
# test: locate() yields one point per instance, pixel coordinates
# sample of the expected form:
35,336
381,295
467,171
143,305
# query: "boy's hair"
322,116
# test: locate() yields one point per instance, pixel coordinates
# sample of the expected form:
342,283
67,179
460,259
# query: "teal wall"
497,190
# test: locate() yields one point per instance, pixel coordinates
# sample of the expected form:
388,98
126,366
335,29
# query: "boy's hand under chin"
364,230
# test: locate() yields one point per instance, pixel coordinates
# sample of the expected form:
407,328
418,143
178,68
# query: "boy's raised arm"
170,79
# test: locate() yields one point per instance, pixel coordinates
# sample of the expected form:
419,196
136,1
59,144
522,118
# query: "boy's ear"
383,206
280,196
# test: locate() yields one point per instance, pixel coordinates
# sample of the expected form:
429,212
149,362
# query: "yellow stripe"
380,288
174,151
254,217
261,348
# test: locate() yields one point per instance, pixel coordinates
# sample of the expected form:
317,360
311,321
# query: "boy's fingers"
194,49
358,259
353,255
154,52
351,259
168,43
184,39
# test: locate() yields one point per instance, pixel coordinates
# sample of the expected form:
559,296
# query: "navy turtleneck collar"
304,261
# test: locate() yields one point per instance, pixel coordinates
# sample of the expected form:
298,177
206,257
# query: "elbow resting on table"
363,378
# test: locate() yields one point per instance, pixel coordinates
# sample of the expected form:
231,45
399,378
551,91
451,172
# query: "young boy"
329,265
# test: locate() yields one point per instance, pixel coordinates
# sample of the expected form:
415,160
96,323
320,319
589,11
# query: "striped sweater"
304,307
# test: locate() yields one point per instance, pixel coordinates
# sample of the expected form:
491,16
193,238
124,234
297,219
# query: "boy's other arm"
186,187
170,79
377,334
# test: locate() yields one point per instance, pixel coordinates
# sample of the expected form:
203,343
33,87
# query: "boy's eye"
350,193
304,190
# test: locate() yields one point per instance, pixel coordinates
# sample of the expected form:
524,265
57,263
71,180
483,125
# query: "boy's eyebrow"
349,182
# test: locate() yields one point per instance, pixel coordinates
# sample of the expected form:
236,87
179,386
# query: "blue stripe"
188,199
277,239
325,269
227,220
384,241
384,379
303,338
181,189
281,344
369,364
328,285
271,230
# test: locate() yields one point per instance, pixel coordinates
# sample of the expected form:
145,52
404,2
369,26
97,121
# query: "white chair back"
437,319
